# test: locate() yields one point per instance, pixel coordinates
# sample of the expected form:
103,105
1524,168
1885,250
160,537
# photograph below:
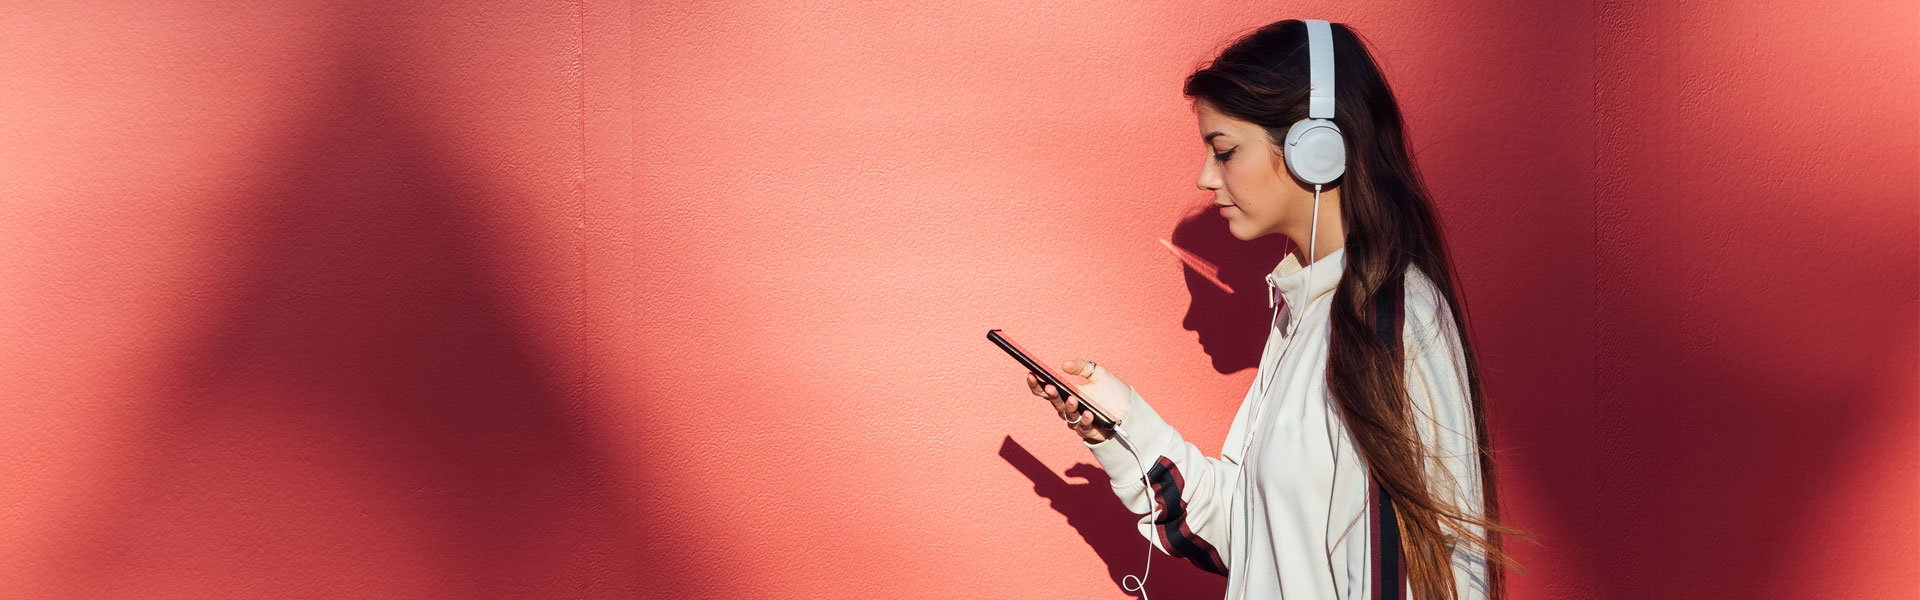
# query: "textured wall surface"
602,299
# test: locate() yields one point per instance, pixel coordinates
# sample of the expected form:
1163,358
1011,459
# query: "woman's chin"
1235,228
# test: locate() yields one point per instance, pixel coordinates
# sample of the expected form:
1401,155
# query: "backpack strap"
1383,528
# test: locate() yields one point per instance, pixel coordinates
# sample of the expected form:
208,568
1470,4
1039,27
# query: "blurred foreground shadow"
363,411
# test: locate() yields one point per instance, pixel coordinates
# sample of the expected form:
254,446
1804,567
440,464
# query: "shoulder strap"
1383,528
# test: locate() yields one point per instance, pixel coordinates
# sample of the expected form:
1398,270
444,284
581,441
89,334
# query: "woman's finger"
1059,403
1033,383
1079,367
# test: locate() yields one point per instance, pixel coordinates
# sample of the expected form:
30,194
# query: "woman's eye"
1222,156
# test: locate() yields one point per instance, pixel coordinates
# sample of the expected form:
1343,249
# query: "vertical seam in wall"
1593,245
579,208
1597,131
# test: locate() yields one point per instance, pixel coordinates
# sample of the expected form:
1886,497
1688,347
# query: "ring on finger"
1077,418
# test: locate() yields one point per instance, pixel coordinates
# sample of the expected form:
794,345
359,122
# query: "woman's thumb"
1080,367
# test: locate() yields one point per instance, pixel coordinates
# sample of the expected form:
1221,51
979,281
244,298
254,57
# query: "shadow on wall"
364,414
1230,325
1109,528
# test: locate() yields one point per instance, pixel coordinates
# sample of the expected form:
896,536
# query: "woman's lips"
1226,210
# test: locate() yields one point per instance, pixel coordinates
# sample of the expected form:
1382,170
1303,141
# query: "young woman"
1358,464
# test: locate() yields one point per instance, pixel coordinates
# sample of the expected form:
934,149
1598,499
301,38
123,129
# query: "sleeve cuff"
1146,432
1119,463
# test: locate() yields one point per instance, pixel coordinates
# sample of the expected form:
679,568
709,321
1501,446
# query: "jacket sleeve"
1192,492
1443,415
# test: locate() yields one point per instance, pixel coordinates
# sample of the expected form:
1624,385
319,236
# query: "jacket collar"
1287,285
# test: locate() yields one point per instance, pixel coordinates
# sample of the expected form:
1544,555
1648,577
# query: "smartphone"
1047,375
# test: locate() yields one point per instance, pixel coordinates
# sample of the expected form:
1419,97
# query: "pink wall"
675,300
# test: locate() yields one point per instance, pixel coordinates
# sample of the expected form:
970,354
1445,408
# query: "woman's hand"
1105,389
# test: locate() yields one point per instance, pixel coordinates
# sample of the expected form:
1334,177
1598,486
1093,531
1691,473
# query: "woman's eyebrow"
1212,134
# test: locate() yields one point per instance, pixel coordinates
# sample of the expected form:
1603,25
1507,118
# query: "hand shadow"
1230,324
1110,529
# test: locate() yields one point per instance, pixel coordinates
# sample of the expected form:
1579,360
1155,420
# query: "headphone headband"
1315,152
1320,59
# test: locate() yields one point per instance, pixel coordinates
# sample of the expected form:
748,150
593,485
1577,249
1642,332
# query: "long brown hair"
1263,78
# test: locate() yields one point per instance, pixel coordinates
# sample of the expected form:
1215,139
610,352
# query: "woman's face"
1249,178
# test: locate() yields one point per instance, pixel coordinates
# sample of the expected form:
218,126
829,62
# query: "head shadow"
1228,322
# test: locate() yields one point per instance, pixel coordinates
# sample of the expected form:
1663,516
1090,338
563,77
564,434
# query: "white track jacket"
1290,515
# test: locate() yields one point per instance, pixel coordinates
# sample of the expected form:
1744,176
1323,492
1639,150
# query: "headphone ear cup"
1315,151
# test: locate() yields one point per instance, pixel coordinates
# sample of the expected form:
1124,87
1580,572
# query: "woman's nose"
1203,178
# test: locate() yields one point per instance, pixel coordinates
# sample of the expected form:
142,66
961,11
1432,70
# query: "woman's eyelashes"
1222,156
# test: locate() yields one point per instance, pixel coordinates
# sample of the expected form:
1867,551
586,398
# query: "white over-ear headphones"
1315,151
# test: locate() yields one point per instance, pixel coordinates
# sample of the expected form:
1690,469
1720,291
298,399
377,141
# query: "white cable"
1294,316
1313,237
1129,582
